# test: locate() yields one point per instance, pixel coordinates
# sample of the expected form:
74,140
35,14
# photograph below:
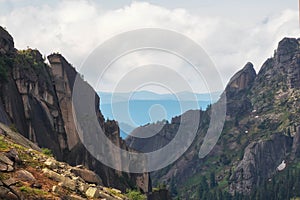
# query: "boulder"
55,188
92,192
10,182
5,193
13,155
25,176
5,159
3,167
87,175
68,183
51,163
53,175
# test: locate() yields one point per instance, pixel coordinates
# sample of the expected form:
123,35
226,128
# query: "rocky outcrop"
242,80
30,174
236,91
35,99
260,162
6,42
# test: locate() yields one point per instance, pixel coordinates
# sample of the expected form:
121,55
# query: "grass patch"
115,193
3,144
135,195
32,191
47,152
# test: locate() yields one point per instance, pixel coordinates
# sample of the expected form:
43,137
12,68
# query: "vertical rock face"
259,162
242,80
63,78
36,100
31,103
236,91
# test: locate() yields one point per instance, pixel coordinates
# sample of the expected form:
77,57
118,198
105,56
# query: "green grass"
3,144
47,152
32,191
135,195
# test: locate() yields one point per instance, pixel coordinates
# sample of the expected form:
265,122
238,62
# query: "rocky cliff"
261,130
35,99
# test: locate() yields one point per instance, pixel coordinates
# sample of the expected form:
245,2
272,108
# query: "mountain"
36,101
261,132
148,107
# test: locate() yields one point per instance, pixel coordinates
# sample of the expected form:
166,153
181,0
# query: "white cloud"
75,28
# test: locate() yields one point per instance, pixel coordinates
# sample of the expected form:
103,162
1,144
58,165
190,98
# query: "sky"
231,32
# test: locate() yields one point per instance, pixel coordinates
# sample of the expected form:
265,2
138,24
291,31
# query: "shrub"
135,195
47,152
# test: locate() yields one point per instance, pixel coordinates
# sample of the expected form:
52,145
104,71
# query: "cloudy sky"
231,32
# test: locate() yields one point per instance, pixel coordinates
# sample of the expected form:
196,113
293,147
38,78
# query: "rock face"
237,102
242,80
6,42
35,99
259,162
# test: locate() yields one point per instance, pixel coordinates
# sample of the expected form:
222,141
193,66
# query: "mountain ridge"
262,114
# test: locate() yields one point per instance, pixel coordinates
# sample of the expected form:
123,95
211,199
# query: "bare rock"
92,192
53,175
259,162
10,168
3,167
87,175
36,185
51,163
13,155
55,189
25,176
6,42
5,159
68,183
5,193
10,182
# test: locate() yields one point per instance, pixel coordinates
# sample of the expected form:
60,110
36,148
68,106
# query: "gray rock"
5,193
92,192
10,182
87,175
25,176
13,155
5,159
10,168
68,183
3,167
259,162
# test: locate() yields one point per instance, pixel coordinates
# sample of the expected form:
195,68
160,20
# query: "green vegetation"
135,195
115,193
3,144
47,152
31,56
32,191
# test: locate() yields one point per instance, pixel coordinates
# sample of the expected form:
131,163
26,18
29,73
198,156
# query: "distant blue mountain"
142,107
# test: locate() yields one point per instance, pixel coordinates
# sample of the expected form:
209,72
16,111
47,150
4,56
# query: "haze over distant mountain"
148,107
